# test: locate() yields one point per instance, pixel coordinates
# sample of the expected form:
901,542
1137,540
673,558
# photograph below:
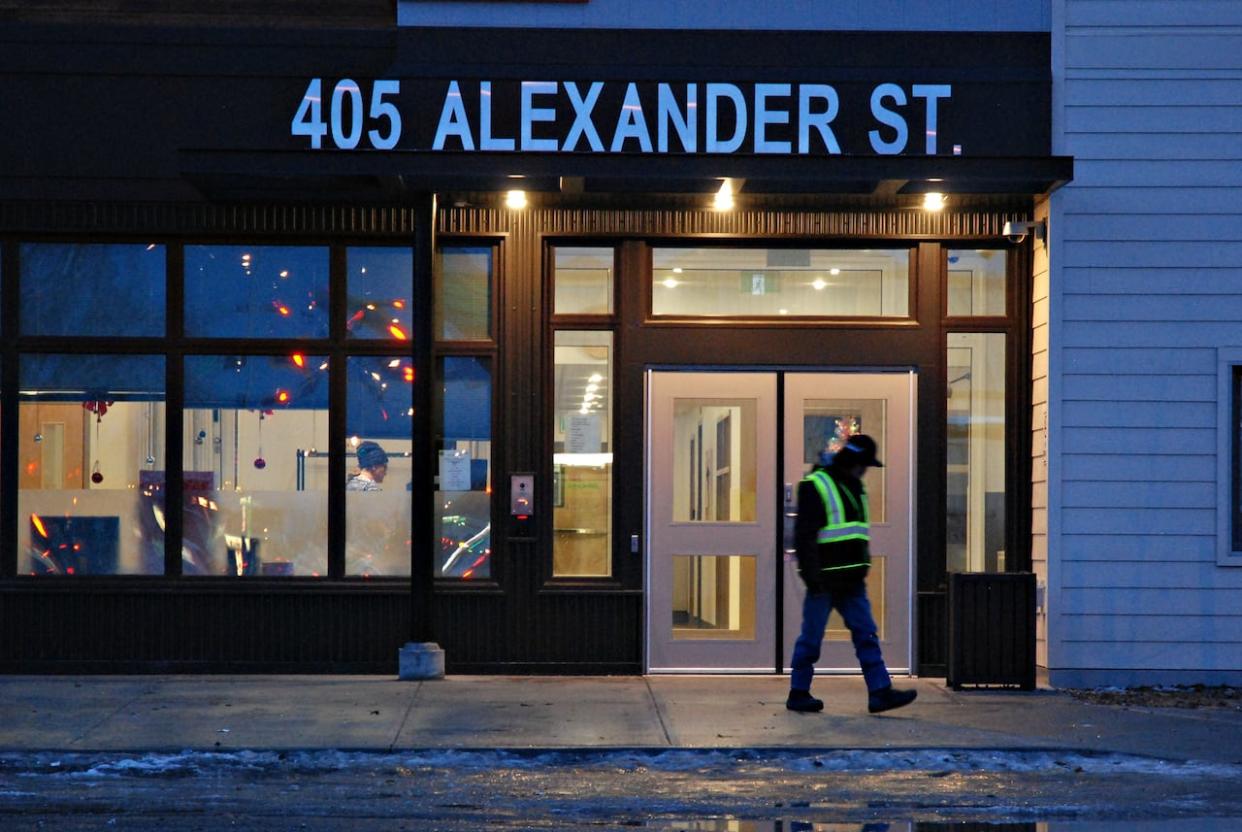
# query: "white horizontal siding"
1170,118
1139,601
1159,493
1153,628
1144,575
1157,47
1158,228
1105,280
1136,92
881,15
1196,660
1133,466
1169,334
1137,198
1148,283
1140,388
1131,414
1138,547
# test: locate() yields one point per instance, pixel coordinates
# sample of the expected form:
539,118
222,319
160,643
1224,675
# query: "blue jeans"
856,610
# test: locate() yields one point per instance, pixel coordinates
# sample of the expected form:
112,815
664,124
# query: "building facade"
600,280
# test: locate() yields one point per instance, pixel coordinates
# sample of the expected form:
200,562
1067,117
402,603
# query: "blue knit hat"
370,455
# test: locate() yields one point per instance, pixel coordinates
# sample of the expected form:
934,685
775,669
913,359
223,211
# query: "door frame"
780,664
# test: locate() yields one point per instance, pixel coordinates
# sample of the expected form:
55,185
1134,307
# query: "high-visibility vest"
837,528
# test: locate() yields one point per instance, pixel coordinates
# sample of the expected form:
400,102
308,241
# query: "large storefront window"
773,283
463,435
378,461
975,481
259,510
379,303
582,455
256,291
91,457
256,458
81,289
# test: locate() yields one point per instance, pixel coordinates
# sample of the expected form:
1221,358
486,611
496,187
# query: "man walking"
832,538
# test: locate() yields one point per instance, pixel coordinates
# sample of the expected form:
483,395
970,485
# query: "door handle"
789,494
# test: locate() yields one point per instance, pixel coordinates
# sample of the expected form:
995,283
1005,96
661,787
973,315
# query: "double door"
725,453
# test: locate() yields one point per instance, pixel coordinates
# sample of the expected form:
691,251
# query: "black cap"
859,450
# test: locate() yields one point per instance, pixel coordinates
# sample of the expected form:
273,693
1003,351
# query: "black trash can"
991,629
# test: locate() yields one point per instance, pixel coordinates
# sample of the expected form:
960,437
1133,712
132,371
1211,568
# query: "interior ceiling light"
677,270
515,200
669,283
933,201
724,196
595,377
834,272
818,284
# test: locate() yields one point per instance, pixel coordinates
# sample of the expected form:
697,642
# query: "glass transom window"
780,282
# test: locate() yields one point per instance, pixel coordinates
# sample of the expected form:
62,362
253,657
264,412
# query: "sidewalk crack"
406,717
659,715
145,693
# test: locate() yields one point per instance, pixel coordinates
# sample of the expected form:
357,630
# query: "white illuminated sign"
766,118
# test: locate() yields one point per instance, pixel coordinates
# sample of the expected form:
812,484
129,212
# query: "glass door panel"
822,410
711,444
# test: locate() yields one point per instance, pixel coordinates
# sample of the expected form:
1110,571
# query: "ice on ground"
91,766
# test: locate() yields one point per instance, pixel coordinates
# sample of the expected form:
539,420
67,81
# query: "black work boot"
885,699
801,700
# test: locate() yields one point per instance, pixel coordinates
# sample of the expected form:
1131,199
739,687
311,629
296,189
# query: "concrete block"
420,660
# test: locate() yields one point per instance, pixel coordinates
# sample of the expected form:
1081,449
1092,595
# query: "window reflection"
463,294
380,408
256,291
582,455
248,421
763,283
91,458
463,430
715,467
380,286
975,479
976,282
92,289
713,597
583,281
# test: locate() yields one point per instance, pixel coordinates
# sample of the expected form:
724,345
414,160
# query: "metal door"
712,520
821,409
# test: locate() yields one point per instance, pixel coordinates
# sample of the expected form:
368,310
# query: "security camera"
1016,232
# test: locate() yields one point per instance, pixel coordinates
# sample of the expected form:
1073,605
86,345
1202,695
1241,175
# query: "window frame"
174,347
910,319
1229,457
489,350
577,322
1016,331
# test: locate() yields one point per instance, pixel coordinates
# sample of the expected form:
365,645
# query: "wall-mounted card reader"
521,504
522,495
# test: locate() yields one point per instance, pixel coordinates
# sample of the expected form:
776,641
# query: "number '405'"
345,115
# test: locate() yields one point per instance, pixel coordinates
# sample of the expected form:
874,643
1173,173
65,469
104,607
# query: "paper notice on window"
583,434
454,471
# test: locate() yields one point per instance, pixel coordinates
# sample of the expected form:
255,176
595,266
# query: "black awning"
388,176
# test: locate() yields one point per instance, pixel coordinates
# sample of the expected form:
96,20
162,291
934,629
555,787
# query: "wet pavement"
660,753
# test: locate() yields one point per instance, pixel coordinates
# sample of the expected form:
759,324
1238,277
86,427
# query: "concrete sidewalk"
172,713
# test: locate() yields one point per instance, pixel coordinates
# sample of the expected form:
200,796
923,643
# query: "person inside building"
832,543
372,468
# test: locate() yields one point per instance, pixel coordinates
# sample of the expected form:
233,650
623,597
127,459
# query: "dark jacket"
813,557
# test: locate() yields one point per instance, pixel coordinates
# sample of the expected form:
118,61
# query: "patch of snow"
198,763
